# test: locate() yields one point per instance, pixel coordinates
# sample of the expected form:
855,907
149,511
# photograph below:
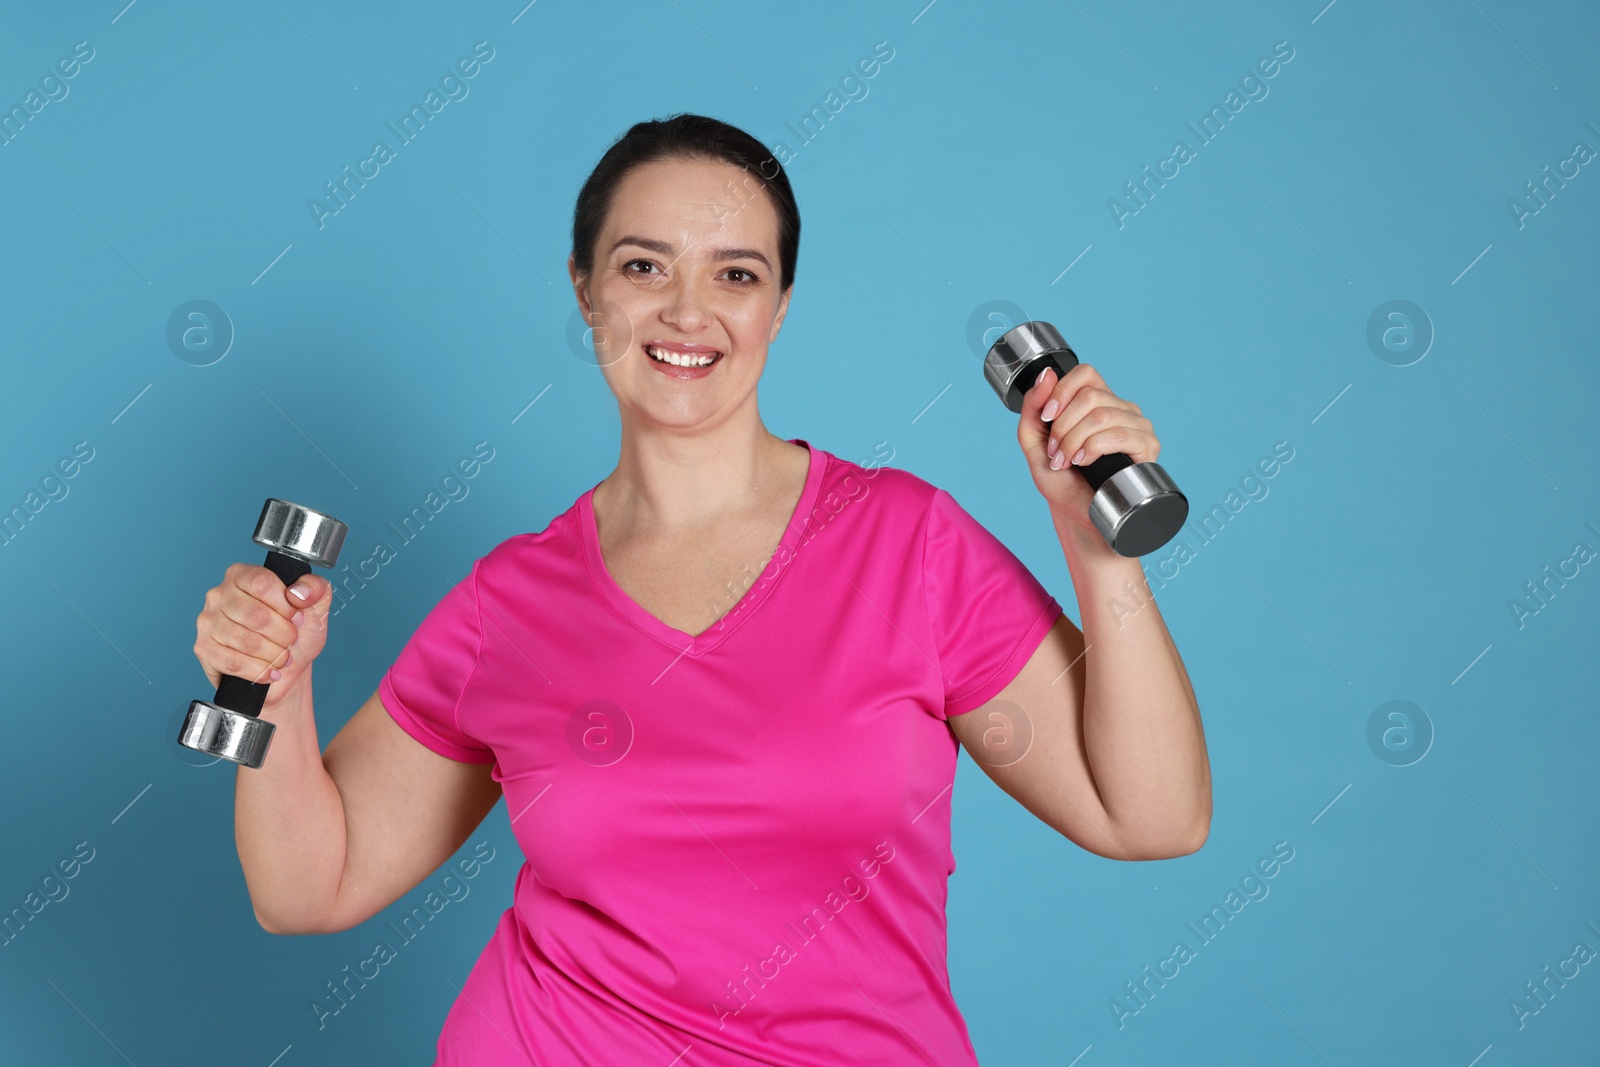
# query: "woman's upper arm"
407,809
1052,777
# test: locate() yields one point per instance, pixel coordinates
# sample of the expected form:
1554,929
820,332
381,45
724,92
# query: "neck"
672,480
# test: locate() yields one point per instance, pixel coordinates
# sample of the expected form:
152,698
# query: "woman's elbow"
1195,840
273,924
268,924
1169,848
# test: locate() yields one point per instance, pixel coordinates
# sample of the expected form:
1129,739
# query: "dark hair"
688,137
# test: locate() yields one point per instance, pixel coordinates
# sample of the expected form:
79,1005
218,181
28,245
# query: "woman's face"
686,260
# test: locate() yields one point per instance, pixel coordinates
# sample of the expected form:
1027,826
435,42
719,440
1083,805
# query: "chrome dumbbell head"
1138,509
226,734
1010,360
300,532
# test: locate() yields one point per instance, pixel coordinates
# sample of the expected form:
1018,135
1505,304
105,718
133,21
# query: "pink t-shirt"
737,843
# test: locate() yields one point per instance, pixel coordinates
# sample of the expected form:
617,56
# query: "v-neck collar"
733,618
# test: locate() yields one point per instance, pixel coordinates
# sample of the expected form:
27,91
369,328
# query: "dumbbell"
230,726
1136,506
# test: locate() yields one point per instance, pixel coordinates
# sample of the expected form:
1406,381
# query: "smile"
682,359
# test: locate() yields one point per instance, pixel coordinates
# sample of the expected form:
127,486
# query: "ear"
579,288
783,309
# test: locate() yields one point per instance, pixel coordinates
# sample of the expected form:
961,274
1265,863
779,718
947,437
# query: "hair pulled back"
687,137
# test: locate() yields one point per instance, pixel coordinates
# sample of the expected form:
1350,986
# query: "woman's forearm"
289,824
1141,722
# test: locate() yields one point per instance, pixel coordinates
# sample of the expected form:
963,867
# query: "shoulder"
535,555
884,508
896,490
910,510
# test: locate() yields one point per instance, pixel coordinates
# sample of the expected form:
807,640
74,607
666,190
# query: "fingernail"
298,617
1049,411
300,592
1077,457
1056,460
276,674
1040,378
1051,447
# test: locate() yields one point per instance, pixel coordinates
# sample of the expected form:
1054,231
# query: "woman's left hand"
1087,416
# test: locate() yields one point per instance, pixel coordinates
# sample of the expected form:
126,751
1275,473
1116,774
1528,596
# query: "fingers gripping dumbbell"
230,726
1137,507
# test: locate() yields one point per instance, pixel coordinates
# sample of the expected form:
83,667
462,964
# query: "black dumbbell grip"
236,694
1105,466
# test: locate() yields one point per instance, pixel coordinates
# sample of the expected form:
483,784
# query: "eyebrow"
666,249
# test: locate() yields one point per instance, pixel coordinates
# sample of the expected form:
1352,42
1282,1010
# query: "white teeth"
680,359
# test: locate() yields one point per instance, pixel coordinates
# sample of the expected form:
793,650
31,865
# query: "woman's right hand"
254,628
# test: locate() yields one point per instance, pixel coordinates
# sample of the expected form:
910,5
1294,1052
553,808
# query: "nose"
684,305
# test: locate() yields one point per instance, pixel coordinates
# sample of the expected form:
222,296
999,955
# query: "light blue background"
1233,308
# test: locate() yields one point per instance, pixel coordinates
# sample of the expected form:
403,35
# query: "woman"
722,693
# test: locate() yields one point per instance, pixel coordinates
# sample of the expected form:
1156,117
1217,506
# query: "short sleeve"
987,611
422,689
